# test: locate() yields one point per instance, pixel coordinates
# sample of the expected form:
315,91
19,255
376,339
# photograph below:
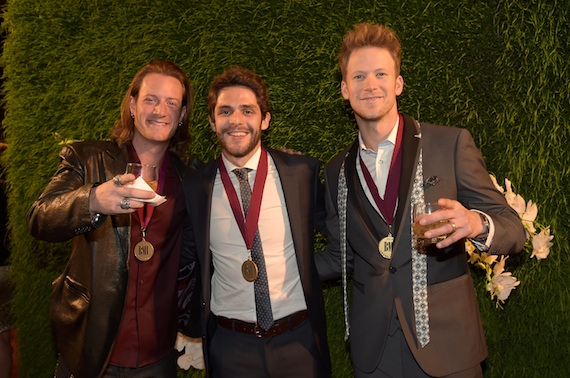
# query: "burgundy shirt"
149,324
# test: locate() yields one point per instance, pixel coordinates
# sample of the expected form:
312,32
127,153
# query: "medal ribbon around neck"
144,250
387,206
248,226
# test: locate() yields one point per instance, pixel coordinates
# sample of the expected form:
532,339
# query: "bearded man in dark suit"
262,305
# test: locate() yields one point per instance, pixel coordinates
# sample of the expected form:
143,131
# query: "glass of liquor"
149,173
421,209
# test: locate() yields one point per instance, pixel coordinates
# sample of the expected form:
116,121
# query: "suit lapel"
293,203
366,211
410,154
202,201
114,162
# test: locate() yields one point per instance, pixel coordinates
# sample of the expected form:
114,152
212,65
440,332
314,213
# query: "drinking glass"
420,209
149,173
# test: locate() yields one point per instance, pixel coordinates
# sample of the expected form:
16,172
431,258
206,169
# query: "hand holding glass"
149,173
420,209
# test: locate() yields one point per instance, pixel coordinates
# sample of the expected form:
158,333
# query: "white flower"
528,217
499,282
516,201
502,282
193,354
181,341
473,255
541,244
499,187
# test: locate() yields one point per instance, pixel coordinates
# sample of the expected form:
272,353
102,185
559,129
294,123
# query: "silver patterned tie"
419,266
260,285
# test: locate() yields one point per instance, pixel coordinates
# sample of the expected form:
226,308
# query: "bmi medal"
144,250
385,246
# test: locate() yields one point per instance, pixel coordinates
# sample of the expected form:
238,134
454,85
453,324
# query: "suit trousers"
398,361
293,353
164,368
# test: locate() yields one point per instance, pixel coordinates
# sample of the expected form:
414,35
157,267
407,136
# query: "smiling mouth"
159,123
237,133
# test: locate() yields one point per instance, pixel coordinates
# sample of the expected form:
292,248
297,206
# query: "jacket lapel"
203,202
357,197
114,162
410,155
293,202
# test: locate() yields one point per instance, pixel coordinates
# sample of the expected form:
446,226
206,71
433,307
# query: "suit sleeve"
477,191
62,210
189,283
328,261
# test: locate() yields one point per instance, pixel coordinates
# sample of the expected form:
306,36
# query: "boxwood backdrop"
497,68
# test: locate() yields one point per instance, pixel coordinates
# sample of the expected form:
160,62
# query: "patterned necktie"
419,267
260,285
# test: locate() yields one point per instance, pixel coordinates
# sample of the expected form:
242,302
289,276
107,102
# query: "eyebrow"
241,106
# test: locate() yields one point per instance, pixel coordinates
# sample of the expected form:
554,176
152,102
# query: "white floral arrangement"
500,282
193,355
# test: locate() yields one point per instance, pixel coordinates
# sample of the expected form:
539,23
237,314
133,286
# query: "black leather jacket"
84,329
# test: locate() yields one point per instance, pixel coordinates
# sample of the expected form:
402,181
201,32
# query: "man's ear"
182,114
265,121
212,124
399,85
344,90
132,105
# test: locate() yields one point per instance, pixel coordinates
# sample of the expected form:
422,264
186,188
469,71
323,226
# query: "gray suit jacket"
304,198
457,338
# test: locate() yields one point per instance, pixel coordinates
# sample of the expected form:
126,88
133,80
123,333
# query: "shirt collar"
391,138
252,163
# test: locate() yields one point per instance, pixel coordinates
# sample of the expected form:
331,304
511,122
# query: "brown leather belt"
278,327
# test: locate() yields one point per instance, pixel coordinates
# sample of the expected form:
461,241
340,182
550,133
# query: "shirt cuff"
484,243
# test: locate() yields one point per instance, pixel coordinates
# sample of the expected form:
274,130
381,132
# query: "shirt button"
393,270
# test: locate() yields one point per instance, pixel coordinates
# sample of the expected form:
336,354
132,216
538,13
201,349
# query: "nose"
370,83
159,108
236,118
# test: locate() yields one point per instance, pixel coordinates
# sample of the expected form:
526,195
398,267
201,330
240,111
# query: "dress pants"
293,353
164,368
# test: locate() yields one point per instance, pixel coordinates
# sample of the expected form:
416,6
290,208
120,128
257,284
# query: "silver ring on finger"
117,180
125,204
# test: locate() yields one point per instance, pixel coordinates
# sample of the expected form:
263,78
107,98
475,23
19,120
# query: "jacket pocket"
68,314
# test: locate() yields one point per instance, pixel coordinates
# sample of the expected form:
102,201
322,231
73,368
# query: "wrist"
485,227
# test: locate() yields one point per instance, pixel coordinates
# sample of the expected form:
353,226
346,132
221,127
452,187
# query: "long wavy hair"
123,130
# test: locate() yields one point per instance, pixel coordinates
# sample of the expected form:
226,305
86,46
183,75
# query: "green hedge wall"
497,68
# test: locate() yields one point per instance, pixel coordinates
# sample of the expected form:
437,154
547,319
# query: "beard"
239,150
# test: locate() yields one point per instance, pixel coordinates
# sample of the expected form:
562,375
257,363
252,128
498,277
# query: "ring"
125,204
117,180
453,227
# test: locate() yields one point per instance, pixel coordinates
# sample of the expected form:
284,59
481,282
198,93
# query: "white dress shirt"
232,296
378,164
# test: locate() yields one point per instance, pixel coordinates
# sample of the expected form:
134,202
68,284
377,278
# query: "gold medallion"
385,246
249,270
144,251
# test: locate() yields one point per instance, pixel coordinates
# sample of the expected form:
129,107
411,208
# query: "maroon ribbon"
388,205
145,212
248,226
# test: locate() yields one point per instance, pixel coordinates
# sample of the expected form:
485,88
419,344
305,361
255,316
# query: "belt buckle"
257,330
